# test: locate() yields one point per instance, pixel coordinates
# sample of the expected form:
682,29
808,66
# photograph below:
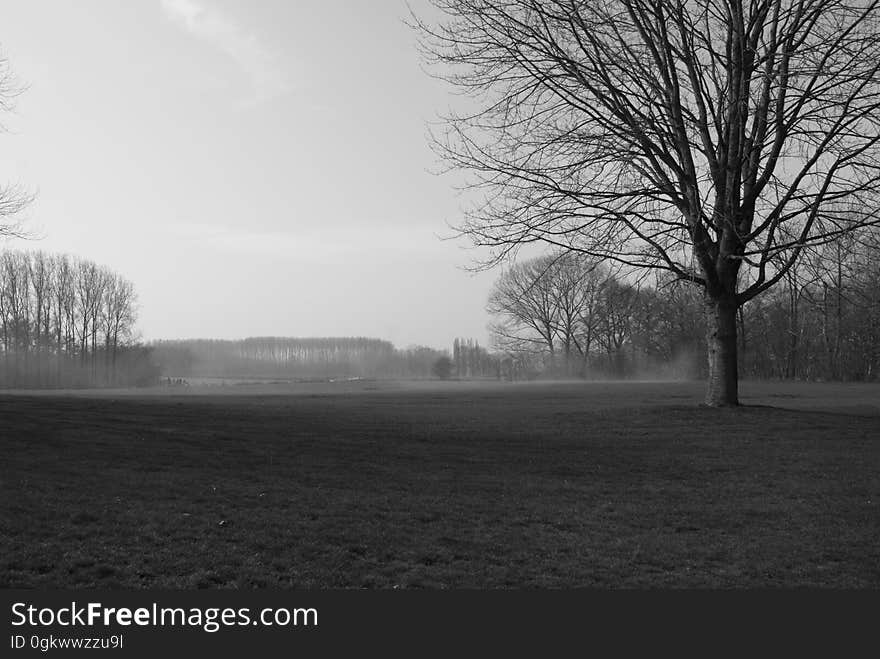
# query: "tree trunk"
723,382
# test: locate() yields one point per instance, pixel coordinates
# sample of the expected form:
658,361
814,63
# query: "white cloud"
254,59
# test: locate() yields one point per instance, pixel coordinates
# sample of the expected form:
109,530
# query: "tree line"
568,314
292,357
67,322
823,321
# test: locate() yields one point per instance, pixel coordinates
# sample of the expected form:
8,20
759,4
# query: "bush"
442,368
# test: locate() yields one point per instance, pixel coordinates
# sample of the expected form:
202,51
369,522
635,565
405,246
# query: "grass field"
448,485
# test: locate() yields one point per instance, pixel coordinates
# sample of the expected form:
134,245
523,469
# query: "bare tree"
714,139
39,272
576,284
525,301
117,318
13,198
618,304
551,307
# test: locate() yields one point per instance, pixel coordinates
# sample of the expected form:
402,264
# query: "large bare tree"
714,139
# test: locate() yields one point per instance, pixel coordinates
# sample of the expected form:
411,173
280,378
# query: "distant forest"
67,322
292,358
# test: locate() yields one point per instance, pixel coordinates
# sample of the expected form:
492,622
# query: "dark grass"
597,485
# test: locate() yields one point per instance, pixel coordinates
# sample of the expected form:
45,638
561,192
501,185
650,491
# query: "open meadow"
441,485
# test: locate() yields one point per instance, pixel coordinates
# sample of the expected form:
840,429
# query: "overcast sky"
255,168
